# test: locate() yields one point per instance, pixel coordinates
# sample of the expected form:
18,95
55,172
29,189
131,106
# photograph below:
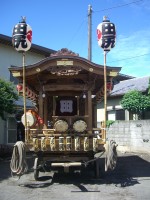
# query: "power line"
117,6
100,11
130,58
76,31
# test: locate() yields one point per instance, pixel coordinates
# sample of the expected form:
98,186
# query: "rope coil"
18,164
111,155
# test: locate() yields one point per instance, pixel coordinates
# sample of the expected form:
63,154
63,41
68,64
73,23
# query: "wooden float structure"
65,88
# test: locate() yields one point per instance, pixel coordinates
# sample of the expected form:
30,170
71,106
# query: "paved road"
130,180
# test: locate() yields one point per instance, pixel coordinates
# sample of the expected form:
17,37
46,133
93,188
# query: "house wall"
113,104
9,56
132,136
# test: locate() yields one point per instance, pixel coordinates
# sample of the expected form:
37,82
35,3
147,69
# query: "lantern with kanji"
106,33
22,36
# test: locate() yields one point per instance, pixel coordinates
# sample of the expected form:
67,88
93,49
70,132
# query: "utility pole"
89,32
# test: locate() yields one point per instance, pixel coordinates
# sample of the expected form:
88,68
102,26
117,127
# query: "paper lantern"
22,36
19,87
40,120
106,33
100,94
109,86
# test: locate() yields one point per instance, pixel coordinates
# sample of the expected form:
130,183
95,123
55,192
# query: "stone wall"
131,136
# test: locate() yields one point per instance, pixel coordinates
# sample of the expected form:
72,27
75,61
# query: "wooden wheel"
97,169
36,170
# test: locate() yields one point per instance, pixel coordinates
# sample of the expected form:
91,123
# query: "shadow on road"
5,171
129,169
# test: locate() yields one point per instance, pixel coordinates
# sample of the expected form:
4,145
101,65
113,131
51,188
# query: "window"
66,106
111,115
11,130
120,114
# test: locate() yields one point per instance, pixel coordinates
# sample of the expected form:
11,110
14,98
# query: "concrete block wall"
131,136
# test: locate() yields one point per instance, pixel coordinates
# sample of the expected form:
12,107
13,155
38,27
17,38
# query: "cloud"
132,53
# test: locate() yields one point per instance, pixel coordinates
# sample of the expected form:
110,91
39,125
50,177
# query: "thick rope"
111,155
18,164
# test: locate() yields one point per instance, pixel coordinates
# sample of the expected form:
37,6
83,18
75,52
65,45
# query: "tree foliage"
7,97
135,102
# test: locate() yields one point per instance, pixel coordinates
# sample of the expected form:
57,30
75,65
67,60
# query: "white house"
114,109
10,57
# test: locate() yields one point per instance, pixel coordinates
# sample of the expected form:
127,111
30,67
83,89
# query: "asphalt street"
130,180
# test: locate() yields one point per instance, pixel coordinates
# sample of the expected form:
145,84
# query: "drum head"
61,126
30,119
79,126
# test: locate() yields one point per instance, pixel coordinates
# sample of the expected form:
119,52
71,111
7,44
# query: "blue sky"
60,24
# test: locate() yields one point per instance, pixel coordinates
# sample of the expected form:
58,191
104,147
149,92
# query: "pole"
105,94
24,94
89,32
106,34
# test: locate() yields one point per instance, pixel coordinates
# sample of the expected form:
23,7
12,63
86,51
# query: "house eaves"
19,103
34,48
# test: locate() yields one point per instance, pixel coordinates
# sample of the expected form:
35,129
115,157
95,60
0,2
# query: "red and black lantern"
22,36
110,86
106,33
19,87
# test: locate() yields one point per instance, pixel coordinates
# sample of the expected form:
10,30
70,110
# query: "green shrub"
109,123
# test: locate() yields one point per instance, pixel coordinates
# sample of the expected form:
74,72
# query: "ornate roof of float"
63,58
63,66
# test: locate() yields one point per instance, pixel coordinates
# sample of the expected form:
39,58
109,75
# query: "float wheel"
97,169
36,170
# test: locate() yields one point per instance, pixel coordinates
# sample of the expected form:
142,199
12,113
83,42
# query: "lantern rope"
111,155
18,162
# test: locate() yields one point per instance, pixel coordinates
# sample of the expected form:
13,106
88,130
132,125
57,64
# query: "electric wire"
114,7
129,58
78,29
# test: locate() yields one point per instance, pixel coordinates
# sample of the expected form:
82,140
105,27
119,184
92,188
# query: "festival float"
61,131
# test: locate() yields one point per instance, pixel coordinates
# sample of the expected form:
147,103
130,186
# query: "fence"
131,136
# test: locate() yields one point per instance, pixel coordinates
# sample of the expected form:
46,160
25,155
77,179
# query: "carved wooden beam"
71,87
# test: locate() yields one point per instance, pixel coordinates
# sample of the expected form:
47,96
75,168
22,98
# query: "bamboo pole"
24,95
105,94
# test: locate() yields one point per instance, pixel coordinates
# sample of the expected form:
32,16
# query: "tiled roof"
19,103
140,84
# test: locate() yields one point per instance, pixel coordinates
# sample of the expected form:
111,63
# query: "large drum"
80,126
61,125
31,117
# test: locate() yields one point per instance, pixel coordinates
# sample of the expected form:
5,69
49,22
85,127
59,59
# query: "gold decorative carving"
64,62
64,51
86,143
16,74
